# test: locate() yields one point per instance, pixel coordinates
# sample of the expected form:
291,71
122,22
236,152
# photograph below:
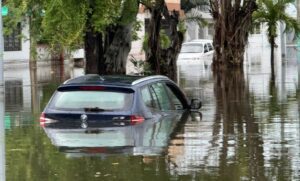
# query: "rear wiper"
93,109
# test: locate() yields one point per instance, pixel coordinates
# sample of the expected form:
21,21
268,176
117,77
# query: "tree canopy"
271,13
63,22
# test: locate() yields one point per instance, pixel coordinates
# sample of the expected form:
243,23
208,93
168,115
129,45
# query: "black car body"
114,111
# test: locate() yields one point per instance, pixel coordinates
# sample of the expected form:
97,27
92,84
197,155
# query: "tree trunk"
154,53
94,52
272,42
118,47
163,61
233,21
109,57
106,53
170,54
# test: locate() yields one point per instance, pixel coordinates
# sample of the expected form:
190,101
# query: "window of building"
13,94
12,42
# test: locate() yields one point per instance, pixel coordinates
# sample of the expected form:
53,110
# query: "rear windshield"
192,48
78,100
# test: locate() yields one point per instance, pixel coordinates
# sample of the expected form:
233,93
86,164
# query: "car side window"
176,102
210,47
161,94
206,48
148,99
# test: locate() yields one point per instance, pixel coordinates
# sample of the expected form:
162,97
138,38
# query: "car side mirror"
195,104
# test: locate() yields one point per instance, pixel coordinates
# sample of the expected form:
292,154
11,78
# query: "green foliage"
63,23
13,18
24,12
104,13
19,10
181,27
145,46
165,41
129,11
137,25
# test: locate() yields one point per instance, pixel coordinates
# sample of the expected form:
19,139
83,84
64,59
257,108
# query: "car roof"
198,41
118,80
202,40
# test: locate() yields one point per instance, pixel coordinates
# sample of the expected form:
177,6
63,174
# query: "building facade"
17,44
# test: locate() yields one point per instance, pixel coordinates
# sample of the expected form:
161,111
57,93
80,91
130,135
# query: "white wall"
193,28
24,54
136,46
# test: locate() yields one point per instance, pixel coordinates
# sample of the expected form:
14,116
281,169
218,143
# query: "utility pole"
2,139
1,53
2,127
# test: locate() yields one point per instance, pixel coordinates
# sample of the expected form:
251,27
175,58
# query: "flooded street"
247,129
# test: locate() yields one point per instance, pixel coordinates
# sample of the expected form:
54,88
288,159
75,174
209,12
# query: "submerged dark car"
100,112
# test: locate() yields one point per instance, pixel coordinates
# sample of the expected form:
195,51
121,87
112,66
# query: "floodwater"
248,129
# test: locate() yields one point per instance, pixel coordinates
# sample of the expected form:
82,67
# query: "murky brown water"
248,129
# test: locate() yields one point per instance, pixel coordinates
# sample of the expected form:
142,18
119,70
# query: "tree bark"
93,51
272,42
171,53
163,61
106,53
153,54
233,21
117,50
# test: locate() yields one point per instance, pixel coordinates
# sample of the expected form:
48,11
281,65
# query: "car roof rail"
149,78
85,79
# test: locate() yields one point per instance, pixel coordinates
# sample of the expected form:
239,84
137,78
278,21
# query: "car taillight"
134,119
42,119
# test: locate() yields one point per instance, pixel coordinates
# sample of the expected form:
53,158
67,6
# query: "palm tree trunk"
272,41
232,25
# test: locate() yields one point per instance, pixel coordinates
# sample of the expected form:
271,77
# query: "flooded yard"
247,132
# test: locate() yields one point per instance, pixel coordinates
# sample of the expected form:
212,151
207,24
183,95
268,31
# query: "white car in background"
196,51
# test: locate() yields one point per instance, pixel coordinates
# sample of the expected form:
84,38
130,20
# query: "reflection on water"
2,137
150,138
248,129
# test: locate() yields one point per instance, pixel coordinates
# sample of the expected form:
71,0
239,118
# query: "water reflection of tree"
34,87
240,129
280,165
